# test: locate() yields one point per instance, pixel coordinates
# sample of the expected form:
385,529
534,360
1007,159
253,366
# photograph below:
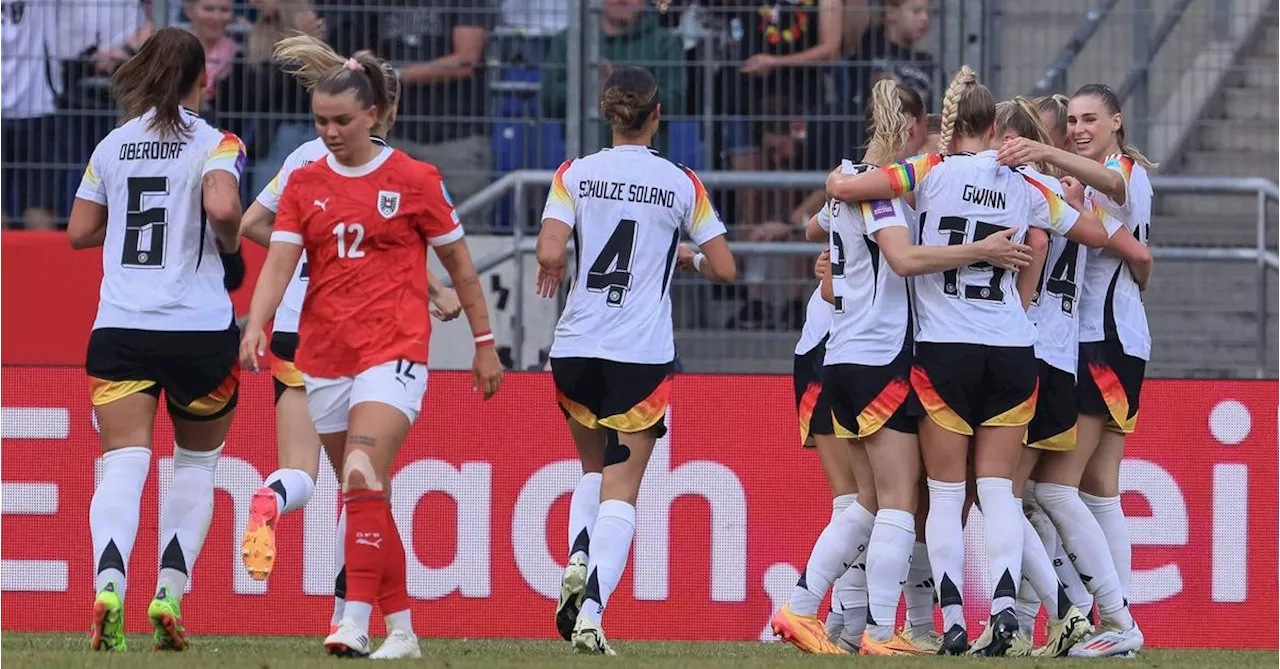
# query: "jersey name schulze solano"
626,206
965,198
872,310
1111,302
160,264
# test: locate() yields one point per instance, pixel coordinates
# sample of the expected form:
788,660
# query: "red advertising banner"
728,512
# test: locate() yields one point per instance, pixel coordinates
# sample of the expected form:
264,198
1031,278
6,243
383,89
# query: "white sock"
114,512
1072,590
1083,537
1072,587
1037,569
1110,517
340,569
852,588
919,592
849,583
1027,609
1004,540
888,561
400,620
358,613
944,536
584,506
610,546
833,553
186,516
293,488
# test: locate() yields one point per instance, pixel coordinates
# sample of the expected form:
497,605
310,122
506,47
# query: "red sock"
393,595
366,544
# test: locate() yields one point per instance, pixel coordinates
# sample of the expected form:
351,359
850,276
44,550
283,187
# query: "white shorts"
398,383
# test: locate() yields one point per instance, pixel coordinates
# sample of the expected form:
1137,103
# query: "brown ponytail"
165,70
322,70
629,98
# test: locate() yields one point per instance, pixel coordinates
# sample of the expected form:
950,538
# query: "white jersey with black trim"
160,264
626,206
290,309
1056,307
964,198
1111,302
872,315
818,313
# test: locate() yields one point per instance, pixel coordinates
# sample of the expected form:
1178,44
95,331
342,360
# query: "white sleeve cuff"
286,237
447,238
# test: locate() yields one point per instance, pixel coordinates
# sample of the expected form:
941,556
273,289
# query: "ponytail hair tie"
353,64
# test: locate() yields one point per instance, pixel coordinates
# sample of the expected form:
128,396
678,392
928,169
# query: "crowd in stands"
745,85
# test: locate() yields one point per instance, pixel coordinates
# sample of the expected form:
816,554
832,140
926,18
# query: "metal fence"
494,86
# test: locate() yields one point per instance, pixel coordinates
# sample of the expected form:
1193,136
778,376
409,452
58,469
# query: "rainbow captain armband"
483,339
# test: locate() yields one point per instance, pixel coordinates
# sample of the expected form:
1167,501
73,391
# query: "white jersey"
818,313
872,312
1056,307
290,309
964,198
626,206
1110,302
161,269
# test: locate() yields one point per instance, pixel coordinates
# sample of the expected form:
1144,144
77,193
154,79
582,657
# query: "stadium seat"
686,143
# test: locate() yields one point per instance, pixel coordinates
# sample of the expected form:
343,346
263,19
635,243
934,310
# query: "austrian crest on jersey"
388,203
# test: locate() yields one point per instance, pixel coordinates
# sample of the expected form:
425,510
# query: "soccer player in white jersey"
1053,428
975,370
1080,489
843,461
869,354
165,321
613,354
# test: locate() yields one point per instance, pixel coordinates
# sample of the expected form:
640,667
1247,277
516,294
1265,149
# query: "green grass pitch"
71,651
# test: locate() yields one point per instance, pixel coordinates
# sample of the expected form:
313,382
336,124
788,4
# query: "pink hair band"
352,64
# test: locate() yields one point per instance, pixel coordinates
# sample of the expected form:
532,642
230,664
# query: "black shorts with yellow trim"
812,407
198,371
284,348
1110,384
873,397
1054,426
963,386
623,396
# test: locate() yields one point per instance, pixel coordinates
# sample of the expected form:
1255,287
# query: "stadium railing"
520,182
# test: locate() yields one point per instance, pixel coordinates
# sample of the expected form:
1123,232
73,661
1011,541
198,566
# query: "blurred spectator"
279,110
887,49
209,21
439,47
785,49
36,36
536,16
631,35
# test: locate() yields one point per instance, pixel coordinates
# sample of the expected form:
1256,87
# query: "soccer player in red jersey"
365,216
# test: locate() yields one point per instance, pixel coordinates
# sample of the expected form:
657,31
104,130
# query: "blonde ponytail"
1021,116
894,108
310,60
965,78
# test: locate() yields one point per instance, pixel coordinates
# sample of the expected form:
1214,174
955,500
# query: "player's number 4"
356,232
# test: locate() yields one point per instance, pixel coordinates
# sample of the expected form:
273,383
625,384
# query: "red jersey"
365,231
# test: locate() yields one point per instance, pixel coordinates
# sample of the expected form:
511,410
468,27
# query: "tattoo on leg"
362,440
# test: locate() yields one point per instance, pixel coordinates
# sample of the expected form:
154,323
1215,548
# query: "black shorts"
963,386
198,371
284,347
623,396
871,397
811,403
1054,426
1110,384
